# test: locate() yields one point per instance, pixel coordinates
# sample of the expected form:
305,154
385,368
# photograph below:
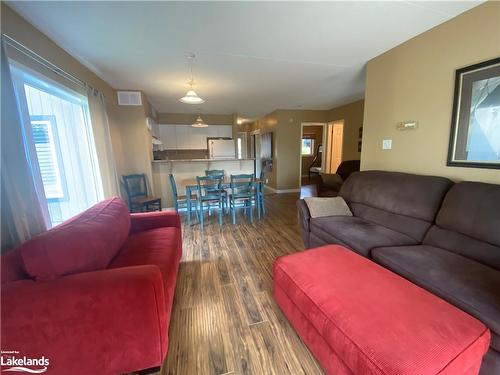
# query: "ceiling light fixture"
191,96
199,123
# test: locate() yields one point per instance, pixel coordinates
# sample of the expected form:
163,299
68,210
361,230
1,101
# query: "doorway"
335,140
311,156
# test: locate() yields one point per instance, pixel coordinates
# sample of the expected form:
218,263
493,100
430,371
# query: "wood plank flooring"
224,319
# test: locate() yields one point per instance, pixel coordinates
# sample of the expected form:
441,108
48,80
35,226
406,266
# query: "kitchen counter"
187,169
199,160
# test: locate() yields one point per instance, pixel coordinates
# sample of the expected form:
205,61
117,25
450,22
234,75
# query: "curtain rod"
42,61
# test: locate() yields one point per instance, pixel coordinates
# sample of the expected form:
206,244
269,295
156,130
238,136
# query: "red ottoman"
359,318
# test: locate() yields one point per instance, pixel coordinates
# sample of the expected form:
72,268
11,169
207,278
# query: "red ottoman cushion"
357,317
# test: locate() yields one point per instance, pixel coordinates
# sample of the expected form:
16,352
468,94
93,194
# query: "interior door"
335,145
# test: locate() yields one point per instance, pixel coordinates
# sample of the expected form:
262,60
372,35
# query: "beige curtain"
102,139
22,215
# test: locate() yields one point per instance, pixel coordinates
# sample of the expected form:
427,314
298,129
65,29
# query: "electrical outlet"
387,144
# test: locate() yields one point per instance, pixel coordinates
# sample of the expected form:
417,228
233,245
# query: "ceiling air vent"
129,98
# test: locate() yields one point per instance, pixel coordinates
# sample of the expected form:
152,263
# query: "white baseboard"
281,191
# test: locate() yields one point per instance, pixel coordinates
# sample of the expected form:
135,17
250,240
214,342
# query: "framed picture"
475,123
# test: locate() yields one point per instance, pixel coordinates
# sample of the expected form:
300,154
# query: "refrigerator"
221,149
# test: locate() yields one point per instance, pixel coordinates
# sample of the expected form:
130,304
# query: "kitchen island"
187,169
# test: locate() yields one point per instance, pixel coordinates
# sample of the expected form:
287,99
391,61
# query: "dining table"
191,186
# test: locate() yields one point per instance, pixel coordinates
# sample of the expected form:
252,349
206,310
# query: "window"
60,144
48,155
307,146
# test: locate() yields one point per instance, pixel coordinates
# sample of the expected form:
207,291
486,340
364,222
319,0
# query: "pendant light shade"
191,97
199,123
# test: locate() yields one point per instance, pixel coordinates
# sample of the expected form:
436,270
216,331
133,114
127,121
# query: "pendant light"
199,123
191,96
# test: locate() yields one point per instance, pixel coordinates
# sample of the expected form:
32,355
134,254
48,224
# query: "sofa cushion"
468,222
357,234
161,247
467,284
12,266
403,202
86,242
321,207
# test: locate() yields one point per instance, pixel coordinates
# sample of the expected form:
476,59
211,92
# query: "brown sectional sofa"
442,236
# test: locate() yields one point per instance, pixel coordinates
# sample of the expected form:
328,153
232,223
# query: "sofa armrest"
304,219
151,220
109,321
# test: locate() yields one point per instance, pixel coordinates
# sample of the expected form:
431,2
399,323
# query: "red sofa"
94,294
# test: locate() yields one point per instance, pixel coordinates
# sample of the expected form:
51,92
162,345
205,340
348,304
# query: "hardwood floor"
224,319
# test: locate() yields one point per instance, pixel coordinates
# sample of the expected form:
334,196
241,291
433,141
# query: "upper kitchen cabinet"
185,137
168,137
224,131
182,132
198,138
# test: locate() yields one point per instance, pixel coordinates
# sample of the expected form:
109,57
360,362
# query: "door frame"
328,149
257,165
302,125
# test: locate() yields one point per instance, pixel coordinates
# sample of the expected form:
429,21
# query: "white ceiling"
252,57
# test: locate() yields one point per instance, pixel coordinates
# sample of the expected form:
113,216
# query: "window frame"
302,146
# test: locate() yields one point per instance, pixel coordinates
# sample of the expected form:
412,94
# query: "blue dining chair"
181,201
260,193
220,173
242,194
209,193
138,196
214,172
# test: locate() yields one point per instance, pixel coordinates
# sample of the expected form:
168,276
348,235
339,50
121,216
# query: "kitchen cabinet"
185,137
182,135
224,131
168,137
198,138
155,129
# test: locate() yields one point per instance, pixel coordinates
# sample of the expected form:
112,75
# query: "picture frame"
475,126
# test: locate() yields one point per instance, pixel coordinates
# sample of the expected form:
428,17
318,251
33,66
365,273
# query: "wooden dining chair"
243,194
220,173
181,201
136,188
210,194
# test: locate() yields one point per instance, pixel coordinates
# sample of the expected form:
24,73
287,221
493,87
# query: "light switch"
386,144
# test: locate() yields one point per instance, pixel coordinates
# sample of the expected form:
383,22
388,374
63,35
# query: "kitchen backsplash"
180,154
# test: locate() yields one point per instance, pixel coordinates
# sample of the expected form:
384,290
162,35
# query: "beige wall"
415,81
288,136
130,138
269,124
286,126
352,114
